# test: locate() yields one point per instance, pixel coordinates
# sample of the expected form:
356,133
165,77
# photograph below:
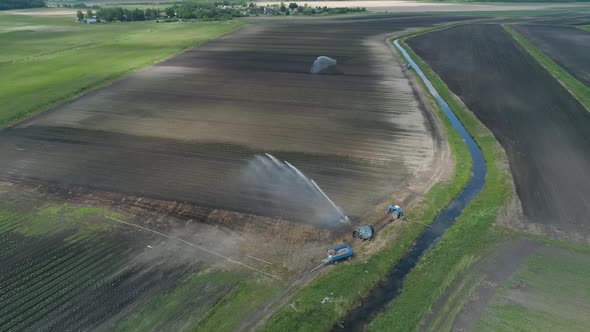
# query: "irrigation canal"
388,289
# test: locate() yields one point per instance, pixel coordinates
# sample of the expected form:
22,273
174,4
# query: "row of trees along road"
20,4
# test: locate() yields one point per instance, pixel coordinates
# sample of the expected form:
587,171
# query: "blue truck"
338,253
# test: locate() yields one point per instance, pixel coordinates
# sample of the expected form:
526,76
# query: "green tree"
137,15
89,13
293,5
169,12
79,15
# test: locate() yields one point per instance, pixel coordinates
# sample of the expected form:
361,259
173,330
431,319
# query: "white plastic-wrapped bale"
323,65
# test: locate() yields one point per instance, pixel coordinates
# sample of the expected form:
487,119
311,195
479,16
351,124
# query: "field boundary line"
575,88
194,245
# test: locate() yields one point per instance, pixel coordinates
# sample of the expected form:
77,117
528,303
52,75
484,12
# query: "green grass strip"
348,283
470,233
247,297
55,218
580,91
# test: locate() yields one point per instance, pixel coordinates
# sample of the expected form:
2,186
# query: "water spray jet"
278,186
275,160
344,218
299,173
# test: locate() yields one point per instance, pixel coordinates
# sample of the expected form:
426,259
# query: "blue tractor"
396,211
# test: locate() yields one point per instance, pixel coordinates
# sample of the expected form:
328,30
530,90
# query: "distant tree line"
20,4
208,11
114,14
78,5
294,8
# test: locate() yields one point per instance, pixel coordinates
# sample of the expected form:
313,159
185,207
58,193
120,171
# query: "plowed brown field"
543,129
568,46
187,128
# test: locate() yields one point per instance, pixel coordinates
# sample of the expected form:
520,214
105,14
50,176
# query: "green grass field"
550,292
461,243
580,91
52,59
56,218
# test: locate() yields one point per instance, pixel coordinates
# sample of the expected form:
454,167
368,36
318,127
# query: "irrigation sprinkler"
344,218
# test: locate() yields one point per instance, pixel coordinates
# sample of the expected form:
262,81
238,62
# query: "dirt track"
186,129
568,46
543,129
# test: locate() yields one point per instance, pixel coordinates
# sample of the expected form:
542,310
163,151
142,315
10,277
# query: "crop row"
43,293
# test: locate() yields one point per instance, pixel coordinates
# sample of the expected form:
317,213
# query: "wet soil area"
185,129
568,46
542,128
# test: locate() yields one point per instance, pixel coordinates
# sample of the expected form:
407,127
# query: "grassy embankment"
348,283
580,91
549,292
47,60
472,232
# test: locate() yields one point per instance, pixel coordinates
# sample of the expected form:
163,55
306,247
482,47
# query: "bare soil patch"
540,125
